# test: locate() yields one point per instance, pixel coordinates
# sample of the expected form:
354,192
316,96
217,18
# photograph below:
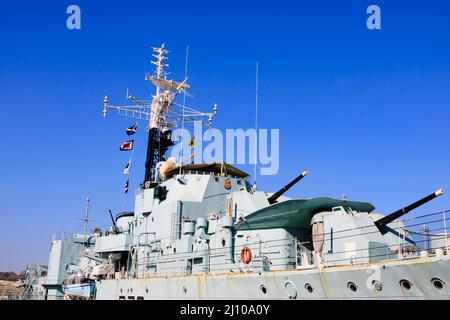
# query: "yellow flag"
192,142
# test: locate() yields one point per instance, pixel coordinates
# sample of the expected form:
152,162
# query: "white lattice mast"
159,72
166,90
160,99
160,57
161,112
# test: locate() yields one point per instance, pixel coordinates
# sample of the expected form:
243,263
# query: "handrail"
172,263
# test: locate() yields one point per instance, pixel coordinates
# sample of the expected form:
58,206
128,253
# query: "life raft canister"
246,255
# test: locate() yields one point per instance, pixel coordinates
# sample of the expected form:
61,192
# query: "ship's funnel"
273,198
381,223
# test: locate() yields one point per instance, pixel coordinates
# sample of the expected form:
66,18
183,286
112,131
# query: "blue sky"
366,112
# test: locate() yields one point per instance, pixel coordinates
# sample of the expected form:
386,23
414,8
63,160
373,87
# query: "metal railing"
420,236
404,241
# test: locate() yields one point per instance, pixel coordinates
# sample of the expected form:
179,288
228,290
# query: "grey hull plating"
326,283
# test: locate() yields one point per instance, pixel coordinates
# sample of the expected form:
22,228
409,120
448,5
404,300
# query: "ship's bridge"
218,168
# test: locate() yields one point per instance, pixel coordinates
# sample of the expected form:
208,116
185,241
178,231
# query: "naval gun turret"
273,198
383,222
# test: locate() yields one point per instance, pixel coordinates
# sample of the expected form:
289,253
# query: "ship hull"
338,282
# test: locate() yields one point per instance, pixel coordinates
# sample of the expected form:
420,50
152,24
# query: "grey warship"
203,231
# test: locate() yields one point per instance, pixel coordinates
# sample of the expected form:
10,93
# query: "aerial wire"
184,104
256,126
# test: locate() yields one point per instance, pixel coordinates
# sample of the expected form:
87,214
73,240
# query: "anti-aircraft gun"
383,222
115,229
273,198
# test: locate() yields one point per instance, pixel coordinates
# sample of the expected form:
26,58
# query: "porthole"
291,290
174,250
216,179
263,289
405,284
352,286
184,290
438,283
146,290
223,242
377,285
309,288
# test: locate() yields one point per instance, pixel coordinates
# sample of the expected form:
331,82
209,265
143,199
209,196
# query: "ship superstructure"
201,230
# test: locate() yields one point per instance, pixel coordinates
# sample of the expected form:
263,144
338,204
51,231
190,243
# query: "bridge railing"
420,236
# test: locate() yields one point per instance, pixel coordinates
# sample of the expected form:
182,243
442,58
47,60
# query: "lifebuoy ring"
227,184
246,255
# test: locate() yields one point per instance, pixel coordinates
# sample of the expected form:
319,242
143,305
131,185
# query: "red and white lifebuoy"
246,255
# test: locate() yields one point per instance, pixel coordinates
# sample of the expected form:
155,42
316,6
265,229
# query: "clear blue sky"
367,112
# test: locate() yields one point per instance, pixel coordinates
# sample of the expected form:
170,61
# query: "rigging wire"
184,105
256,125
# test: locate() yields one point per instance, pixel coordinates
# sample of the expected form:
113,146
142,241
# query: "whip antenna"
184,105
256,126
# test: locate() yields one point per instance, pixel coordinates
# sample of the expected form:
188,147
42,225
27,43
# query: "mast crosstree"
162,112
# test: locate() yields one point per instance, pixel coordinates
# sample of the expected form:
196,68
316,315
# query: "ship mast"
159,139
86,217
85,223
161,113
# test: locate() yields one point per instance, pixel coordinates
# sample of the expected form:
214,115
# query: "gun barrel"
381,223
273,198
112,218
